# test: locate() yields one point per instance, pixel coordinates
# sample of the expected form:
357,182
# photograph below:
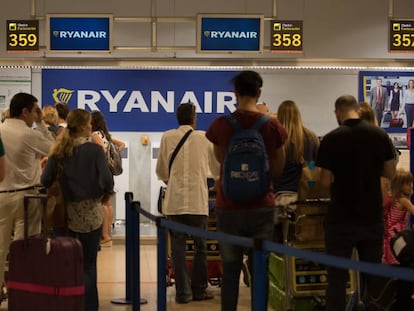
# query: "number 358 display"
23,36
286,36
401,36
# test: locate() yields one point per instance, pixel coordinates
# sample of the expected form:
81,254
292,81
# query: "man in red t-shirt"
253,219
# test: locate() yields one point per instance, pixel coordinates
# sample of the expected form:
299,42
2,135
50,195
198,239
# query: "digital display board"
401,36
77,32
287,36
22,36
224,33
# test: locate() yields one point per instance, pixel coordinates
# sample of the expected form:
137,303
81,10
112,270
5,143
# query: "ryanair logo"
62,95
63,34
213,34
127,101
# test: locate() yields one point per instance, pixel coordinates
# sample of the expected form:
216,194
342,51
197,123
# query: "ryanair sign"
218,33
79,33
141,100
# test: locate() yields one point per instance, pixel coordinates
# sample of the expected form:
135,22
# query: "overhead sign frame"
230,33
75,33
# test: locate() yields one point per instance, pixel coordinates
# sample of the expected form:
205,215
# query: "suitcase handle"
26,199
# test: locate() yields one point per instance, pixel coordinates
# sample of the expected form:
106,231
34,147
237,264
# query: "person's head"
186,114
396,85
24,106
99,123
247,83
346,107
402,183
288,113
290,117
367,114
411,84
379,82
62,110
50,115
263,108
79,123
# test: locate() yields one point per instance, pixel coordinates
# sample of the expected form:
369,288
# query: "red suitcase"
45,274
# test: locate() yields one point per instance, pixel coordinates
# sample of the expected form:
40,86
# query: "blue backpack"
246,164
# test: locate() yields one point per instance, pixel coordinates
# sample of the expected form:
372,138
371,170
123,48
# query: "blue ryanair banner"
79,33
141,100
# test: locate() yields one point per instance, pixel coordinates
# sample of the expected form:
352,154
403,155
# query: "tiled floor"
111,278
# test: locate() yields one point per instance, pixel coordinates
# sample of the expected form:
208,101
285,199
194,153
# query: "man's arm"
389,169
326,178
217,153
162,163
277,162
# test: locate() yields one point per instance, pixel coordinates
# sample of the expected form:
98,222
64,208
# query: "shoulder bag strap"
181,142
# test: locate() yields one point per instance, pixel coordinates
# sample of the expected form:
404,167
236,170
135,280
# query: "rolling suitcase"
45,273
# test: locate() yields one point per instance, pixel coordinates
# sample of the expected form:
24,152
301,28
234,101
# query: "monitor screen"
224,33
79,32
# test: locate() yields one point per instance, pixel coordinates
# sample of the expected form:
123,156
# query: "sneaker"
183,299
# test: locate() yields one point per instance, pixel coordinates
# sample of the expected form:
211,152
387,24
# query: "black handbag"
163,189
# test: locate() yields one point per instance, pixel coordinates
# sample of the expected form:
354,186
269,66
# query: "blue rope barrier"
260,250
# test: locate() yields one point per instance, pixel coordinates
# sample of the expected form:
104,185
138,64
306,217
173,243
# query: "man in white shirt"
24,147
186,199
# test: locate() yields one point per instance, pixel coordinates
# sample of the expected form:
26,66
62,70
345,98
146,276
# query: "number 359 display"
401,36
286,36
23,36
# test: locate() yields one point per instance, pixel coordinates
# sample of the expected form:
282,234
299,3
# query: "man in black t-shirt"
353,157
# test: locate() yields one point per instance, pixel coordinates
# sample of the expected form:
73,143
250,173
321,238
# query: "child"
398,212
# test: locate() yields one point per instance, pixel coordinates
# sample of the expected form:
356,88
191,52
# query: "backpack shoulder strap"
233,122
260,122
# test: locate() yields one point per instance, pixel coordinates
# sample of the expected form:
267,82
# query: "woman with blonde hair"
85,179
367,113
301,148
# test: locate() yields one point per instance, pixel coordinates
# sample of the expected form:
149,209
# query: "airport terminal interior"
156,54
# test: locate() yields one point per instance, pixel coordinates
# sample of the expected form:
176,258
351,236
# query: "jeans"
90,243
340,241
409,112
199,274
251,223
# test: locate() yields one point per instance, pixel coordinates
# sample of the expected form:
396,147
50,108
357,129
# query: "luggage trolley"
295,283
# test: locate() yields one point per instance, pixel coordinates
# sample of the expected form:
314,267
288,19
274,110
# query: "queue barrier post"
161,266
132,255
260,280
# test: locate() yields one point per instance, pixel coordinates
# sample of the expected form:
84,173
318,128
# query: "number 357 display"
401,36
23,36
287,36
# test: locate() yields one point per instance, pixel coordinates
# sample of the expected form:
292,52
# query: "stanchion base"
123,301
